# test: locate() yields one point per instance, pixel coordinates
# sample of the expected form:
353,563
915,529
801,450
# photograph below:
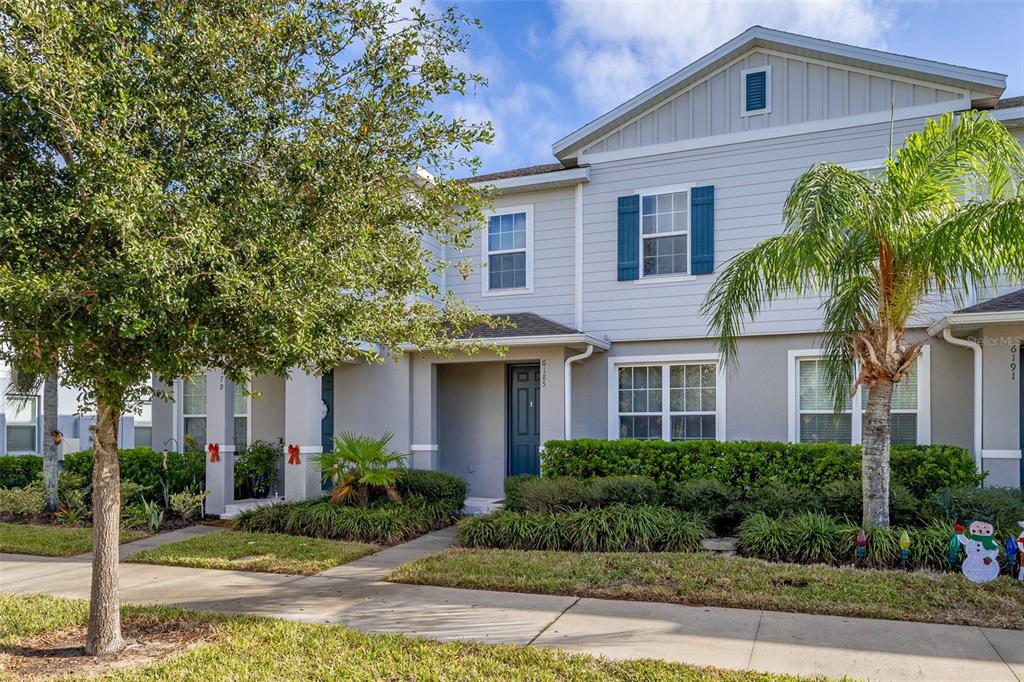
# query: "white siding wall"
802,91
751,183
553,260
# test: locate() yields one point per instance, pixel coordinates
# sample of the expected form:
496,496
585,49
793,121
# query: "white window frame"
247,415
485,252
924,401
34,423
666,361
189,415
687,276
767,90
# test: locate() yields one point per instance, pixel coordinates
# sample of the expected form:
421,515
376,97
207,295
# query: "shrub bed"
159,473
18,471
385,524
617,528
434,486
923,470
818,538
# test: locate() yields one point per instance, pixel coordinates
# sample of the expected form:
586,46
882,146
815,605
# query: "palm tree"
359,465
945,212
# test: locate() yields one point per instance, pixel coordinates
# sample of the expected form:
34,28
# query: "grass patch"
24,538
260,552
263,649
701,578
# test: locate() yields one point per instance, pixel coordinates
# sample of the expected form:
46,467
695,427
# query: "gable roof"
1010,302
986,83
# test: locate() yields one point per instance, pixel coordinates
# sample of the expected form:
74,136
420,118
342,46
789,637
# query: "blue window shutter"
756,89
702,222
629,238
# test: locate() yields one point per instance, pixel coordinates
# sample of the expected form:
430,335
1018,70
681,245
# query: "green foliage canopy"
236,184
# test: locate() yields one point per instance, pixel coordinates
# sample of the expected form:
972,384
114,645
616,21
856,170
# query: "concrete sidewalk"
730,638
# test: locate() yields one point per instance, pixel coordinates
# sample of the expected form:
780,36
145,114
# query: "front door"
524,419
327,417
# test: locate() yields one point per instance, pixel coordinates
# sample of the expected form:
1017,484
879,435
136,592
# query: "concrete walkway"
159,539
730,638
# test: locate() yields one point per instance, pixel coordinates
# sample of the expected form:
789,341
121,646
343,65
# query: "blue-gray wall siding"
802,91
751,183
553,260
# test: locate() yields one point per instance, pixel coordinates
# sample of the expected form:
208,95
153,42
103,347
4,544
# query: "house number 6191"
1013,359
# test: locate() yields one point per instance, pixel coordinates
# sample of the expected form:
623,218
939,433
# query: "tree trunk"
875,459
50,464
104,633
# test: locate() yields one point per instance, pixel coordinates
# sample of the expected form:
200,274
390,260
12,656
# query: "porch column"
424,447
302,417
220,475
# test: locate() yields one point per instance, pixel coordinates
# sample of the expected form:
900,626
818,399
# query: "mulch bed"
58,654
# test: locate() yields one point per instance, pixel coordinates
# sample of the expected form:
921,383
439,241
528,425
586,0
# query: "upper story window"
507,251
665,233
756,90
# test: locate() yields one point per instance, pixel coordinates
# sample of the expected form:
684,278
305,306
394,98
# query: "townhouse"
602,259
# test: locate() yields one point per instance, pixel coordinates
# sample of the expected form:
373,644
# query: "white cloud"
614,50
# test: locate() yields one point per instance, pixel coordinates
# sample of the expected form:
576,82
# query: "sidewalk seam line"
553,621
753,643
996,649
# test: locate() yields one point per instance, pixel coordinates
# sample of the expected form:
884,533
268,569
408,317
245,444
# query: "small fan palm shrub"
360,465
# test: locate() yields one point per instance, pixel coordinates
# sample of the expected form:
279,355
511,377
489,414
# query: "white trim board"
686,358
1000,454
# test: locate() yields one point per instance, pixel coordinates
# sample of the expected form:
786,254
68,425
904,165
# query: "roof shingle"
526,324
1010,302
518,172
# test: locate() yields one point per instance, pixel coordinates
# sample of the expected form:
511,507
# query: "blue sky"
555,65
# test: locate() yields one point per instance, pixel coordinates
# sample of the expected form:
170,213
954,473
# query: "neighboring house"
21,421
602,261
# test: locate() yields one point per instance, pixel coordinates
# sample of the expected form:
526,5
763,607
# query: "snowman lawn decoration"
980,563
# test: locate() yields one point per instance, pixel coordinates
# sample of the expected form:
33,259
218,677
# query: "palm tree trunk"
50,396
875,460
104,632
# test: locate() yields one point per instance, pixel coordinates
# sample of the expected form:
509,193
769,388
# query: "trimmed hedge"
921,469
817,538
18,471
607,529
145,467
433,486
381,525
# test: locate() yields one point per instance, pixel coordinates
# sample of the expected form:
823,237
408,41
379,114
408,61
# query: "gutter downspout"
568,386
947,334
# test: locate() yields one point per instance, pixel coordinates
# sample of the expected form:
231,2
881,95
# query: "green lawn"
258,649
705,579
261,552
23,538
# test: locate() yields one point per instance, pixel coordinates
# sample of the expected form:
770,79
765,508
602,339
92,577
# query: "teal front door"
523,419
327,417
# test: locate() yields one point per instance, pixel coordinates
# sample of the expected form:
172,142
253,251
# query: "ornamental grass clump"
616,528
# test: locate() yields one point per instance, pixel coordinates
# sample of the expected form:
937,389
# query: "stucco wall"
1001,423
757,393
267,409
373,399
471,424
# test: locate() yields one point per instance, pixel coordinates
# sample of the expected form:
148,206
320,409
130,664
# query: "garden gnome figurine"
980,563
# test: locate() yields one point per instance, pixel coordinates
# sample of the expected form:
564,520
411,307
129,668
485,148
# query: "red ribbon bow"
293,454
214,449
